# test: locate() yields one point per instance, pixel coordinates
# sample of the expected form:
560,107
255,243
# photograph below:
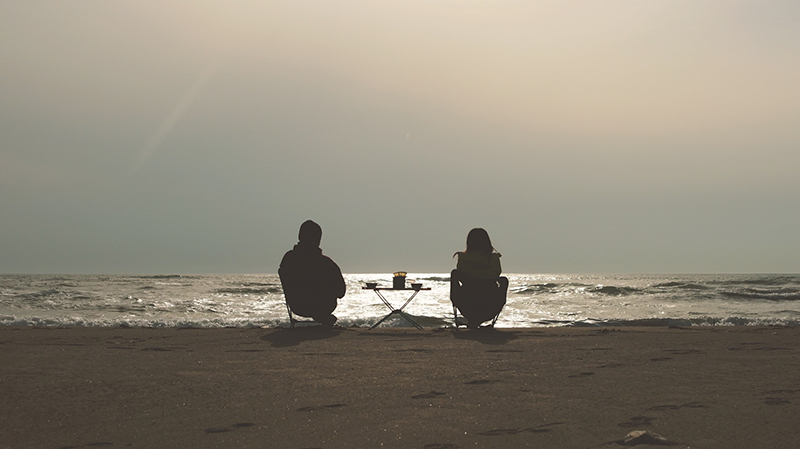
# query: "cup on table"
399,280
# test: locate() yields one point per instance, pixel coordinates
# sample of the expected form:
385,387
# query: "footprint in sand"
612,365
228,429
429,395
665,407
99,444
684,351
693,405
677,407
637,421
481,382
781,392
776,401
499,432
246,350
314,408
537,429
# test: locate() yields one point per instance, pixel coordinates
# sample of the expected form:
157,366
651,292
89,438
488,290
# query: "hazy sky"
585,136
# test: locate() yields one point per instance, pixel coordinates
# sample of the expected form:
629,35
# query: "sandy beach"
725,387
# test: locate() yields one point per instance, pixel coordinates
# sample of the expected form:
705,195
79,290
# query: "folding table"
392,309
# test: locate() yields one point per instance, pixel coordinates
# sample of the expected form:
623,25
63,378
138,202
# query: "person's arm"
337,285
494,264
342,288
459,262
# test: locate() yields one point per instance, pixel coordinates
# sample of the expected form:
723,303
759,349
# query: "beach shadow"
282,338
487,336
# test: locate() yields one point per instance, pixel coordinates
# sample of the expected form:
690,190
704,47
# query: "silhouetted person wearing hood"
311,281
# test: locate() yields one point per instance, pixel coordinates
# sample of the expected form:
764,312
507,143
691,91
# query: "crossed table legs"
398,310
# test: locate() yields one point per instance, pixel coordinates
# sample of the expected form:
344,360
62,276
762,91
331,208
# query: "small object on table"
372,285
416,286
399,280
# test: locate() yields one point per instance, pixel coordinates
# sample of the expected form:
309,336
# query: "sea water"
534,300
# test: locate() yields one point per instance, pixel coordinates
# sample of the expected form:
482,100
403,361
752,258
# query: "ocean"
534,300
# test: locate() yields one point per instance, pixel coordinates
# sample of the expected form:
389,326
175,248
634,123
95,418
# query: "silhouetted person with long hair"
312,282
476,287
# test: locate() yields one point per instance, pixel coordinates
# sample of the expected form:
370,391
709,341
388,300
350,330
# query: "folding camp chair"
292,319
498,294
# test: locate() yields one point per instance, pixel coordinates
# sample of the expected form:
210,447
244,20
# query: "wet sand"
732,387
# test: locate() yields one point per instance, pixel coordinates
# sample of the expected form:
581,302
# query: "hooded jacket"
308,276
479,265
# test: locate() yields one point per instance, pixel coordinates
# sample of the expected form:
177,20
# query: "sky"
615,136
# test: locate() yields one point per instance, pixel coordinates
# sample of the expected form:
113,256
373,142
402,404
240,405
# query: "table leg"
398,311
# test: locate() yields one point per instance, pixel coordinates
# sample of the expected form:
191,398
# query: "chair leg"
291,318
455,285
502,285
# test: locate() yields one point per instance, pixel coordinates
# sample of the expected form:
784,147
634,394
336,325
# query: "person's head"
310,233
478,240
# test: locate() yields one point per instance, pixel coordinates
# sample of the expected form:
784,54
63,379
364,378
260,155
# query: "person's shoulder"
328,259
329,266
